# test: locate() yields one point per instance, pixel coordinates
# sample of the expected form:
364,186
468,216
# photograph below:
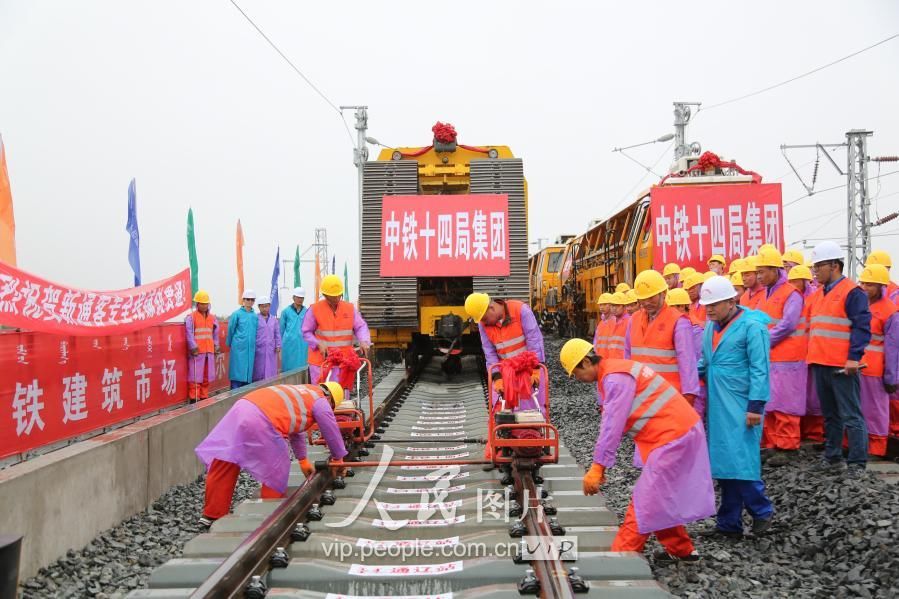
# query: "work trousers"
739,494
197,391
812,428
781,431
238,384
220,482
841,408
675,540
894,416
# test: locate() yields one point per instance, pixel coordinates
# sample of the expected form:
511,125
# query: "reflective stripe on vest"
508,338
652,342
829,325
203,328
293,401
881,311
335,328
791,348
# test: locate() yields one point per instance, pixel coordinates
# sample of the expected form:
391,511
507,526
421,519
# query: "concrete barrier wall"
62,500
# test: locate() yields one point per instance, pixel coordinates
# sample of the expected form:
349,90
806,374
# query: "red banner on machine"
32,303
445,236
54,388
690,223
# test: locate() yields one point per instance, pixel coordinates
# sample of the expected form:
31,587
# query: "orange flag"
318,278
7,220
239,263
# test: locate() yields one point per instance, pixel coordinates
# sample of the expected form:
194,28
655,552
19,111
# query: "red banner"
54,388
445,236
31,303
693,222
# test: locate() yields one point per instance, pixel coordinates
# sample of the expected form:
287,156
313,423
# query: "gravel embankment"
832,537
122,558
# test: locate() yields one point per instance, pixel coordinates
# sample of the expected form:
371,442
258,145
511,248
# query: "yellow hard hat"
716,258
794,256
620,299
476,305
769,257
332,286
695,279
687,271
670,269
201,297
649,283
749,264
605,298
879,257
573,352
800,271
875,273
737,279
767,246
678,297
336,392
708,275
631,297
622,288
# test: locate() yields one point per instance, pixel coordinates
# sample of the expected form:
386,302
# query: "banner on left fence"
35,304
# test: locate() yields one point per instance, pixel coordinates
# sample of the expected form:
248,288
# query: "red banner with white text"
445,236
690,223
35,304
54,388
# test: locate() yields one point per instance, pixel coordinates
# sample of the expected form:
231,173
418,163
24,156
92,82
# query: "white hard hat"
299,292
265,299
715,290
827,250
249,294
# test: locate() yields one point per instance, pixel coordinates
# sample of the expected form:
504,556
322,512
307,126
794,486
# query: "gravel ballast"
122,558
831,537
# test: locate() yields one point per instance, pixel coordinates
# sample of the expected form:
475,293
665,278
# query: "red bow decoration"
444,133
710,160
348,363
516,372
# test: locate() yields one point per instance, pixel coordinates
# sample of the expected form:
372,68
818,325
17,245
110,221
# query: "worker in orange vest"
331,325
792,258
788,373
716,264
754,295
693,284
615,347
880,378
811,426
839,332
661,337
675,484
880,257
254,436
605,325
671,272
507,329
633,304
203,346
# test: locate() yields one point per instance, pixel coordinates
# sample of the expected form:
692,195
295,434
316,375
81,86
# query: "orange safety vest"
203,331
653,342
507,335
881,311
288,407
829,326
793,348
335,329
658,413
891,289
604,338
697,314
753,301
616,341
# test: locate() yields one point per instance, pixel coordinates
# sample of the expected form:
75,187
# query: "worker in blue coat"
735,366
294,350
242,341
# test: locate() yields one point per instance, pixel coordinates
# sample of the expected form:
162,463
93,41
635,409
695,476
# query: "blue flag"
131,227
275,274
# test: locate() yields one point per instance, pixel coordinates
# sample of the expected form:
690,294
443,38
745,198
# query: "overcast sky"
190,100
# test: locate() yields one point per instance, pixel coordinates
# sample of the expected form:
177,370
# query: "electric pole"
360,157
682,116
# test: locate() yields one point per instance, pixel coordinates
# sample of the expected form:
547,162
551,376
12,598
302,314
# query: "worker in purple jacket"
268,343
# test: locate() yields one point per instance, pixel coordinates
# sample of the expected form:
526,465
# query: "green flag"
296,269
346,284
192,253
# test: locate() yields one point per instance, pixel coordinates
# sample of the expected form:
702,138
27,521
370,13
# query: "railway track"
418,517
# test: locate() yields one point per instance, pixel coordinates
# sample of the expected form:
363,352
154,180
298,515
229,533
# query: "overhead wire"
295,68
879,176
629,192
797,77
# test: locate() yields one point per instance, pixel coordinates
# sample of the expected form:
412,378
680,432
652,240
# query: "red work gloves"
498,386
307,467
594,478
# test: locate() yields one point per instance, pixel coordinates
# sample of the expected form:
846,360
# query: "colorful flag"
318,277
192,253
7,219
275,274
346,284
134,234
296,269
239,262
